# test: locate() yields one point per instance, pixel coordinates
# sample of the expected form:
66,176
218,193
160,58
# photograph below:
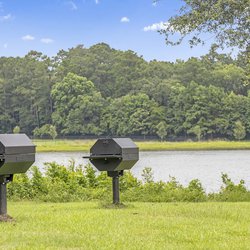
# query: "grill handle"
102,157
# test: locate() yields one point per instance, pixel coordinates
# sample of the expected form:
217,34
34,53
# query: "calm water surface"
206,166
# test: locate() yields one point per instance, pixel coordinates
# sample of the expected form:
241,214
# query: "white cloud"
6,17
125,19
5,45
47,40
97,1
72,5
154,3
28,38
156,26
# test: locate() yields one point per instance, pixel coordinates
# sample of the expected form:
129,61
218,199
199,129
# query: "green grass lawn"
88,225
84,145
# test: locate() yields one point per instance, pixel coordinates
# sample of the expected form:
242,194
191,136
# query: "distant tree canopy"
132,114
103,91
77,105
226,20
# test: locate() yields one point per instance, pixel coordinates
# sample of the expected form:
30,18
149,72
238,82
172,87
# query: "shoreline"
84,145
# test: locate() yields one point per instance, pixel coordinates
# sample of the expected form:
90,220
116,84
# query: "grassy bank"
88,225
84,145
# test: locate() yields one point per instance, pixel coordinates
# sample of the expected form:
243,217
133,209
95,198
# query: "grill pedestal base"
3,197
115,185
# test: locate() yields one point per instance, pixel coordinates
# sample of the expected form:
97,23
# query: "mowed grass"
84,145
63,145
88,225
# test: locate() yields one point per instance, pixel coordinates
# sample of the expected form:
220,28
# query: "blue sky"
50,25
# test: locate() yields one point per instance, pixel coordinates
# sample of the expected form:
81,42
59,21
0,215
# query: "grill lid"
112,146
125,142
16,144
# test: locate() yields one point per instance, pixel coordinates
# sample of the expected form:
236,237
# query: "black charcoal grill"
114,155
17,154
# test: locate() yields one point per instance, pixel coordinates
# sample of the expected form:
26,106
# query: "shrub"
76,183
231,192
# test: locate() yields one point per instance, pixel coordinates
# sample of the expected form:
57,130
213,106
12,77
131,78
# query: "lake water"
206,166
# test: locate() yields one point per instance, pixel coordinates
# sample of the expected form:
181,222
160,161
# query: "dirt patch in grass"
6,218
112,205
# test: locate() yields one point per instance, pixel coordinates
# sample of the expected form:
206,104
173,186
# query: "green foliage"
231,192
170,191
103,91
46,129
128,182
226,20
16,130
230,77
147,175
76,183
197,131
78,106
25,92
162,130
132,114
197,109
239,131
39,184
195,191
20,188
91,176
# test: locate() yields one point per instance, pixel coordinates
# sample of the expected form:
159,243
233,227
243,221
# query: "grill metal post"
115,185
116,196
3,198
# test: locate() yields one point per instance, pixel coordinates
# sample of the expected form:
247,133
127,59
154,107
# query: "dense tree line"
103,91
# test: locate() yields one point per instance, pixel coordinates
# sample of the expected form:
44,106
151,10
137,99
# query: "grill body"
114,154
17,153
